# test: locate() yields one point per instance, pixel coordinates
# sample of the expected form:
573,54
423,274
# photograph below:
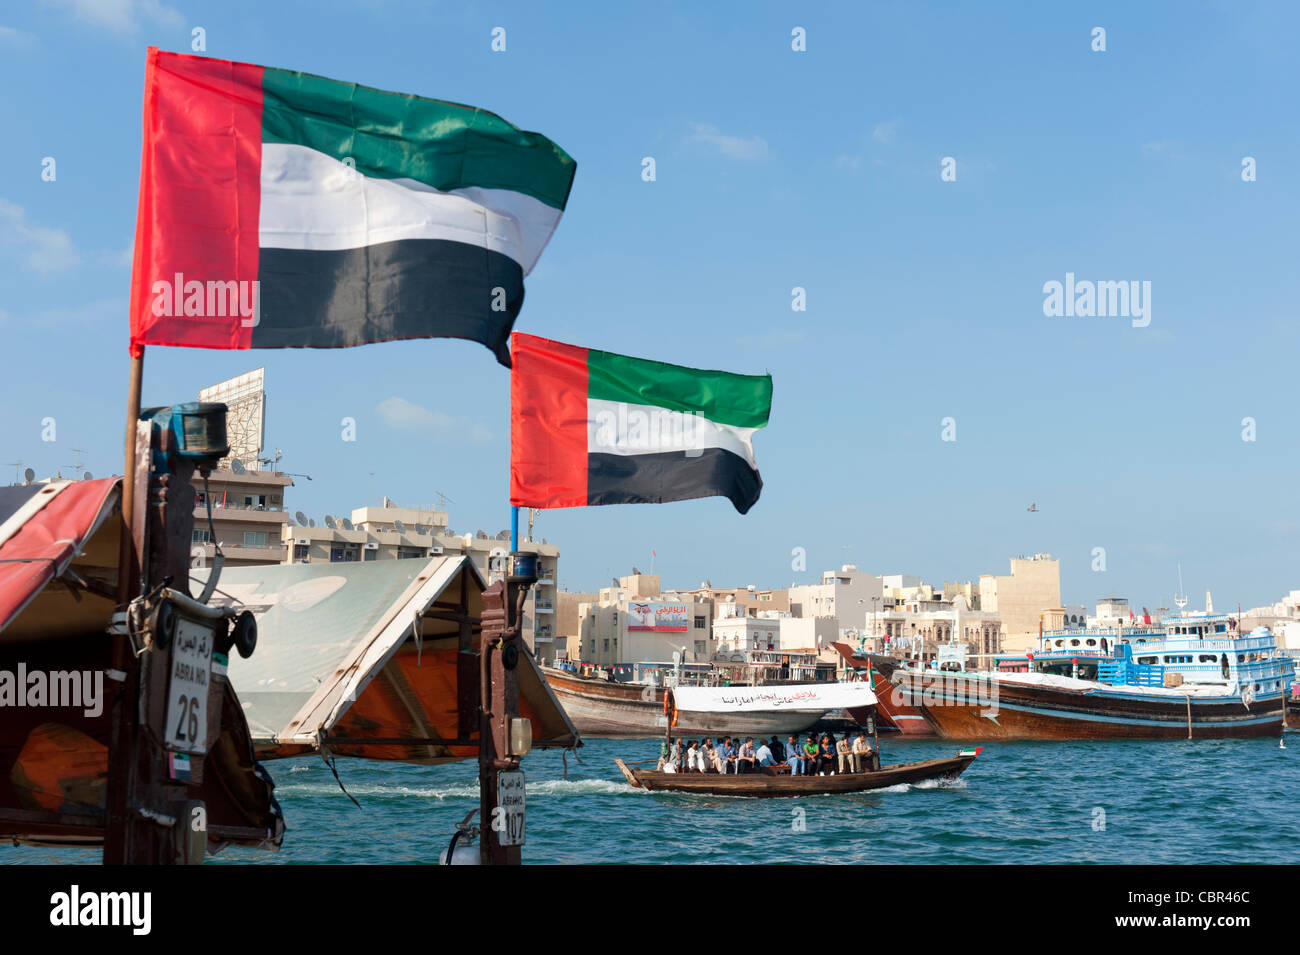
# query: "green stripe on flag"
743,401
396,136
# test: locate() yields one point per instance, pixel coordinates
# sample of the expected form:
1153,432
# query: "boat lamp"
194,431
521,736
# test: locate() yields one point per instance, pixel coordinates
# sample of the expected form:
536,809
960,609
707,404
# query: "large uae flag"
283,210
591,427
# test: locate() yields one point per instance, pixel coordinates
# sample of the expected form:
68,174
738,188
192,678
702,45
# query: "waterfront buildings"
252,524
1032,587
248,517
635,622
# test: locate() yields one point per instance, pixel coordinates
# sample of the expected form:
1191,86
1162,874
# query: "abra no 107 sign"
659,617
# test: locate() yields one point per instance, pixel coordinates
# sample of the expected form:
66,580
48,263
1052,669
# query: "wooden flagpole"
121,750
127,579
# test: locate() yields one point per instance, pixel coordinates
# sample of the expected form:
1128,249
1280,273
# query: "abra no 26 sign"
508,816
187,694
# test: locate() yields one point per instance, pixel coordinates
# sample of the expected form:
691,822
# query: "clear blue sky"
775,169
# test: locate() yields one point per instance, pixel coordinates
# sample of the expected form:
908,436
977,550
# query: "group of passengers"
811,756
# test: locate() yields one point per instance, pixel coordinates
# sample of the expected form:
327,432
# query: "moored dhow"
1198,677
608,708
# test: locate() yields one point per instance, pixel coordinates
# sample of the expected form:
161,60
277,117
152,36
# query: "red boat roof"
43,529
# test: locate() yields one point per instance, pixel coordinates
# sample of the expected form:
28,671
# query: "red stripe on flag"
548,423
200,199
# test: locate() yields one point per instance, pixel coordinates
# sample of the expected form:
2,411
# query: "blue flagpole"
514,528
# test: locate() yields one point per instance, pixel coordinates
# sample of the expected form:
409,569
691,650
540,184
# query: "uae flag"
284,210
591,427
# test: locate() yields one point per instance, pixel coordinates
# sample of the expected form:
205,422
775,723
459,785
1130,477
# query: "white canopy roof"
800,697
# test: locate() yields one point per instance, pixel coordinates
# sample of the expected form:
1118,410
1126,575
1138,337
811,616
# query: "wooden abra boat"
767,784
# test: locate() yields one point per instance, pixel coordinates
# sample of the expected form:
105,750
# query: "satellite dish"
237,466
399,527
29,475
420,529
503,536
312,522
347,524
301,518
87,476
329,522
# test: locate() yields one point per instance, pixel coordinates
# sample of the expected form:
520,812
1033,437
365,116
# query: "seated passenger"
861,753
694,757
844,755
763,755
778,751
711,761
810,755
745,756
794,755
825,756
726,757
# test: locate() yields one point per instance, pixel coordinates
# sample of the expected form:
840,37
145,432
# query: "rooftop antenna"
76,468
443,499
17,473
1180,598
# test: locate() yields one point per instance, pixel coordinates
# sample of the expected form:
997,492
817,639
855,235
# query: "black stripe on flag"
412,288
671,476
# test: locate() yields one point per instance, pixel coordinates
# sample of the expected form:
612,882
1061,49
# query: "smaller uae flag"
591,427
286,210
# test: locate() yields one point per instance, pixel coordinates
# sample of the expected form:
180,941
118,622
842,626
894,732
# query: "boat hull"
759,785
909,720
959,707
598,708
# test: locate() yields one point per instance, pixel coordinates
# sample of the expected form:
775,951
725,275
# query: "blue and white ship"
1197,676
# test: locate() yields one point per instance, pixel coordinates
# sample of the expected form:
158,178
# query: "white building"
843,595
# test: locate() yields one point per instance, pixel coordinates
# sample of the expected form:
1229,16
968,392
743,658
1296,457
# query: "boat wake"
546,787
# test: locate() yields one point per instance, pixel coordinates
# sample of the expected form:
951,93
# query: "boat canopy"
43,529
800,697
366,659
58,579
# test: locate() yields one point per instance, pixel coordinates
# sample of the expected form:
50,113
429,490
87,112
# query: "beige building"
1033,587
248,517
568,630
919,626
844,595
634,622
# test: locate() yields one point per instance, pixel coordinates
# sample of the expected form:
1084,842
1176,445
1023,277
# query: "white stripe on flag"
619,427
314,202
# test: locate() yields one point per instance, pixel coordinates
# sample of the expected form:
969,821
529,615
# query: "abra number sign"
187,694
510,804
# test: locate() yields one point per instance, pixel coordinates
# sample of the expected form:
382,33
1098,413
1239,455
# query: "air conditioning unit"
372,545
302,540
435,551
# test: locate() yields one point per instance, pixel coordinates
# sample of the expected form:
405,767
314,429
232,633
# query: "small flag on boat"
285,210
591,427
